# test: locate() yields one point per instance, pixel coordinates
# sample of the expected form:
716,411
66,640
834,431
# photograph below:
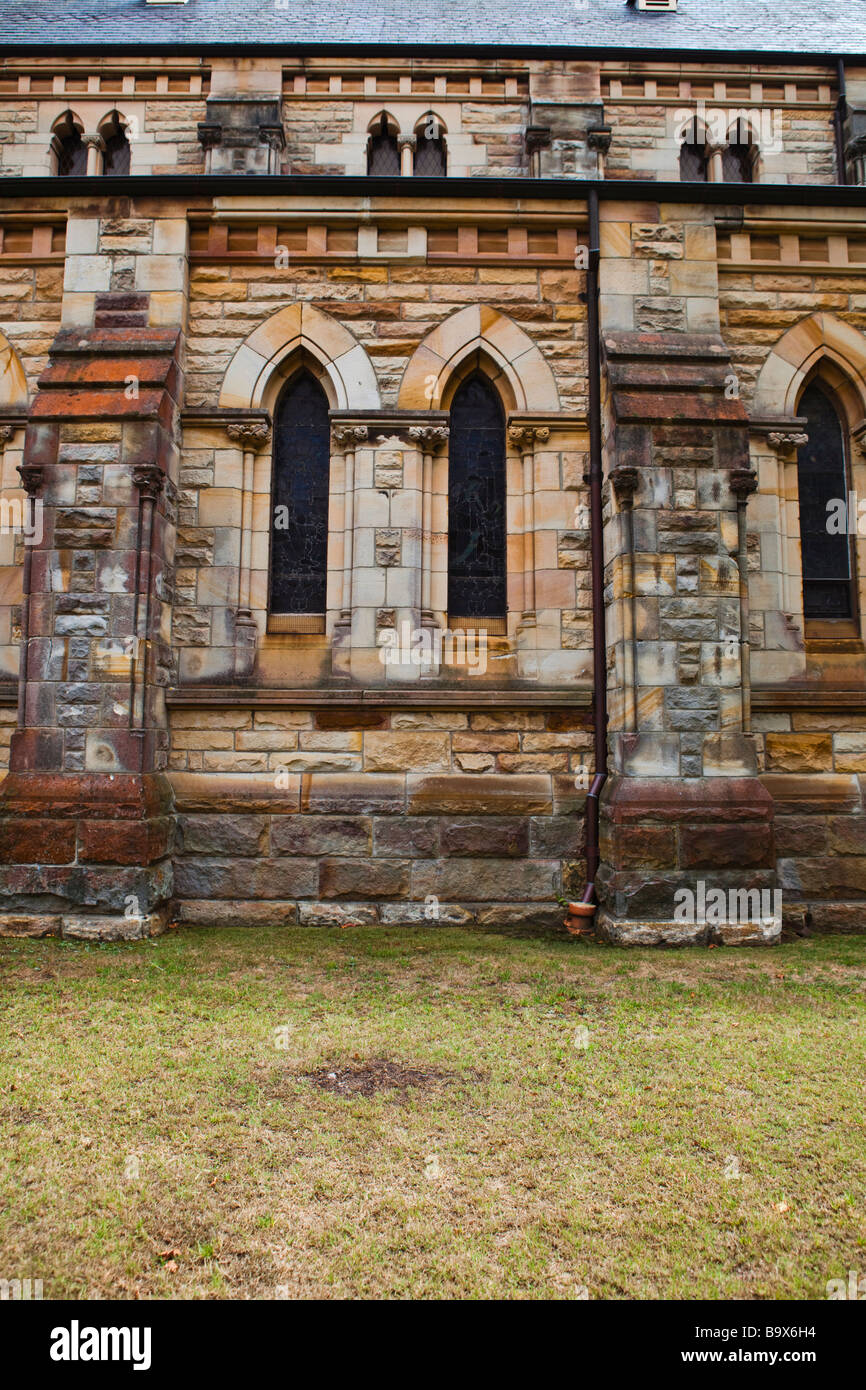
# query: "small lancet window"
300,496
476,503
383,154
822,478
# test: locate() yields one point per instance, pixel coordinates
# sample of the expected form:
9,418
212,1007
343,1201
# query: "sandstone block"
399,751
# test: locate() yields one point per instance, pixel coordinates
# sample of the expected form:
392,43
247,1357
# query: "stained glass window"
822,477
476,502
299,521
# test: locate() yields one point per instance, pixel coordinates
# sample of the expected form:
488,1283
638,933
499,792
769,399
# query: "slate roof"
700,26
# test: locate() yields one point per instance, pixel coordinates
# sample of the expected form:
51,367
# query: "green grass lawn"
638,1124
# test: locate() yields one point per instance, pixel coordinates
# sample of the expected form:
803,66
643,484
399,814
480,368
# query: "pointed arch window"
116,155
822,478
476,504
301,485
737,164
430,160
70,149
693,163
383,154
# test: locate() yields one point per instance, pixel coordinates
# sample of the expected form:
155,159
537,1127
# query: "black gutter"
360,186
484,53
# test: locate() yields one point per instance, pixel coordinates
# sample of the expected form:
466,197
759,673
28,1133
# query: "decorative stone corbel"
786,441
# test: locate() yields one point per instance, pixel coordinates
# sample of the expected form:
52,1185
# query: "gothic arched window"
115,159
476,503
299,518
737,164
383,154
430,161
70,148
822,478
693,163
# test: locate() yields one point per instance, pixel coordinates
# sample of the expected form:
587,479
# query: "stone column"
715,169
251,435
406,145
431,438
347,438
95,150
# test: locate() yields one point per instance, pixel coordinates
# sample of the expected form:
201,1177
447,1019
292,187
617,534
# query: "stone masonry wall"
328,815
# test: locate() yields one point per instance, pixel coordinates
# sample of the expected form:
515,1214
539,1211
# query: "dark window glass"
116,157
821,478
737,164
299,523
72,156
476,502
383,156
693,164
429,155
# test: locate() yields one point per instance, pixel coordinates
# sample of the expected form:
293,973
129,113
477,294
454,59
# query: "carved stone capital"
149,480
430,437
406,140
94,139
349,436
744,481
537,138
250,434
599,137
525,437
31,475
210,134
624,482
785,440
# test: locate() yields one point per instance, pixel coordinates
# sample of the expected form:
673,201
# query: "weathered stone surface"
132,928
726,846
338,915
767,933
26,924
205,912
363,878
635,932
321,835
503,838
364,794
406,751
247,878
799,752
224,834
519,794
406,838
485,880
